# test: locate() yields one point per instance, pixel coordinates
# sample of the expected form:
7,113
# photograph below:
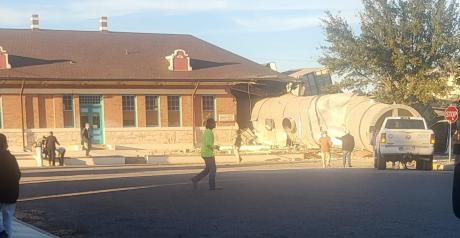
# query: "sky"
287,32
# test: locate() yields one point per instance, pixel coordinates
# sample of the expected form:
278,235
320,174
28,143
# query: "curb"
33,228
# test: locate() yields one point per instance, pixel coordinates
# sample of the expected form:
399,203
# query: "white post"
38,156
450,142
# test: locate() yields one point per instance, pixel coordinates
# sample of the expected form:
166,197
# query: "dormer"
4,64
179,61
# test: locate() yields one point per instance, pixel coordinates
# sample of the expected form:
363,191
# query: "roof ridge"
95,31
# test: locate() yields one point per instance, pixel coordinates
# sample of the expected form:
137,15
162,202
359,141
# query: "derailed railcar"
300,120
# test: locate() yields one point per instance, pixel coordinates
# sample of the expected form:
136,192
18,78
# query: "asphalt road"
297,200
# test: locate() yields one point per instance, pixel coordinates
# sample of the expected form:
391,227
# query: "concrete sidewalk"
24,230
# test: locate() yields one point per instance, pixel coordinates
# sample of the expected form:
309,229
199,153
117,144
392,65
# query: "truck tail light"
383,138
433,139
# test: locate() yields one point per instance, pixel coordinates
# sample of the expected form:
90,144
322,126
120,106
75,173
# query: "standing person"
207,153
44,150
9,187
348,145
86,139
51,142
237,145
325,145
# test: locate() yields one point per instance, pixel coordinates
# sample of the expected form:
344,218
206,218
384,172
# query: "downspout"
193,115
249,99
22,117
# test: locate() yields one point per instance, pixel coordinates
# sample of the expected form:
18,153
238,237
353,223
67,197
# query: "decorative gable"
4,64
179,61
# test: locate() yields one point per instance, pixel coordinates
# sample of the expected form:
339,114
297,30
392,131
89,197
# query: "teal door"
91,112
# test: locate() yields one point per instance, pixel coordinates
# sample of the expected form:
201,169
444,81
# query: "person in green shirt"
207,153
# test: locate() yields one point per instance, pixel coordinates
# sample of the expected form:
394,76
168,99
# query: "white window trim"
215,106
159,109
136,123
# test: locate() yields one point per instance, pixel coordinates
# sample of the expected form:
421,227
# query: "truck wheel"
381,163
429,164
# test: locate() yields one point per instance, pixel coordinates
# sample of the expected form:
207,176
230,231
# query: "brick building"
135,89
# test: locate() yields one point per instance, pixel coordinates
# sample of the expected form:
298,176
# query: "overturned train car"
300,120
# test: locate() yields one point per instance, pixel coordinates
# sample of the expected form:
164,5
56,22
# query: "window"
405,124
174,115
152,110
129,111
68,111
1,113
90,99
209,107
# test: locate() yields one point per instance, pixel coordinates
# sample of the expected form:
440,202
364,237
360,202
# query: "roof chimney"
103,24
34,22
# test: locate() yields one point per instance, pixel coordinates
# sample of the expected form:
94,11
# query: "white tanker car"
301,119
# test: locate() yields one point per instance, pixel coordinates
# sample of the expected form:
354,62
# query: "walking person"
51,142
325,145
9,188
86,139
207,153
237,145
348,145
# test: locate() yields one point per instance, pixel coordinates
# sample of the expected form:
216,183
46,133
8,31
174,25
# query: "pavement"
297,199
24,230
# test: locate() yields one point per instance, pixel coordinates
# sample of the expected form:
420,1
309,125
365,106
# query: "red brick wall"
198,111
29,105
58,111
164,111
11,111
49,112
186,110
113,116
226,104
76,111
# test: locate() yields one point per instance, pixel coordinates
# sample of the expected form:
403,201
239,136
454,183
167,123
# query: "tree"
404,52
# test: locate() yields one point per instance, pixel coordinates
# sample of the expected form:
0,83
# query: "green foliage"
404,52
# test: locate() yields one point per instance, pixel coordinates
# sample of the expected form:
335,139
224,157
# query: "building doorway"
91,112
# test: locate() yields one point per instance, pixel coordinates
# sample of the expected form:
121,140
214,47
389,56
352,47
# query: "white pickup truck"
404,139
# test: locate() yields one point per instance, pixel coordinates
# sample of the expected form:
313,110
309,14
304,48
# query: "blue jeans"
7,217
209,170
346,158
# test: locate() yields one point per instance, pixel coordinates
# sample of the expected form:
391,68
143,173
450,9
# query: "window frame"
158,114
72,110
133,109
179,107
214,111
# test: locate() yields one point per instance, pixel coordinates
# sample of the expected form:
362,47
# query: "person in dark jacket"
348,145
86,139
456,190
51,142
9,187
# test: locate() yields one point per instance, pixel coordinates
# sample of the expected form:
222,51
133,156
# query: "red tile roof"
83,55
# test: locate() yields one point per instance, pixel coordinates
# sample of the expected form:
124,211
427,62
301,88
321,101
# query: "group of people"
348,145
49,146
208,148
